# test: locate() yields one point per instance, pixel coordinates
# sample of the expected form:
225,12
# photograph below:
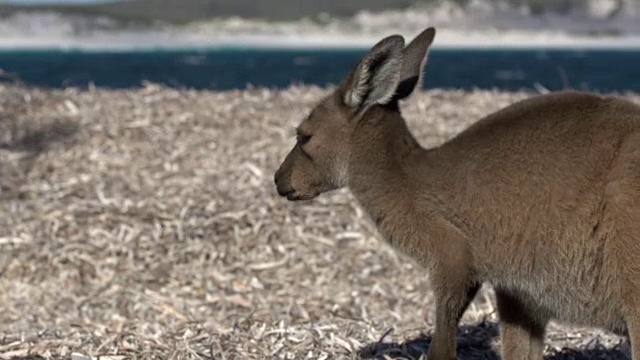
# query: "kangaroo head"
319,161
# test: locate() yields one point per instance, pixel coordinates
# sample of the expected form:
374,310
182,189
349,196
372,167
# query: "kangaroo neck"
381,165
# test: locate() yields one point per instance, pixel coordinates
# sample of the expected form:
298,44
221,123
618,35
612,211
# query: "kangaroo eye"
303,139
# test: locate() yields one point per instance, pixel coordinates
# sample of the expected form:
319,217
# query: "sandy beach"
144,223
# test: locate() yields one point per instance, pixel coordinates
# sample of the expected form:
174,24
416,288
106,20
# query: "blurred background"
230,44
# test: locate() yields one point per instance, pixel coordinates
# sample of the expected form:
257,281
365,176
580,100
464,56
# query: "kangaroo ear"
375,79
414,59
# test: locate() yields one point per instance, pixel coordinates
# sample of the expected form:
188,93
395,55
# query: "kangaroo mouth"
295,196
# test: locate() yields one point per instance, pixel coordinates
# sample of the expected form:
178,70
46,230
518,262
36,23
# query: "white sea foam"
447,38
482,23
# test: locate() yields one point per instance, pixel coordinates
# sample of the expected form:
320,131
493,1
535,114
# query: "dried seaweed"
144,224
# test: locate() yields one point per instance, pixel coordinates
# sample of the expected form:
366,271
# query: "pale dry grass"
144,224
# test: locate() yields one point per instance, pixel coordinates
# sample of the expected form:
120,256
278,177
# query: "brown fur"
540,199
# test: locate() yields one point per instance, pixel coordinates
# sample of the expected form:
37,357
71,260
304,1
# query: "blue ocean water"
223,69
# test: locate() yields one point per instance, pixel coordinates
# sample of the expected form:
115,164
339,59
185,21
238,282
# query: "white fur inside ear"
385,81
377,85
355,95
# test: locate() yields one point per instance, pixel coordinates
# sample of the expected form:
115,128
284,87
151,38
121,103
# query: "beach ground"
144,224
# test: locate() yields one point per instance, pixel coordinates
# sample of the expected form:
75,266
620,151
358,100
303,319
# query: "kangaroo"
541,199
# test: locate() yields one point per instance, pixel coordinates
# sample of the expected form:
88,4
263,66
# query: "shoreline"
446,39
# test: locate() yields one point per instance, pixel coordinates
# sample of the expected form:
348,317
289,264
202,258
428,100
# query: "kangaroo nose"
275,178
283,189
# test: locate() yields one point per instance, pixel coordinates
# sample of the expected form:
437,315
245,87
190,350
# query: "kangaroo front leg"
452,299
633,327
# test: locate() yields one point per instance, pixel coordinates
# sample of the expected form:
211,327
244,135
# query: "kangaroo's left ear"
375,79
414,59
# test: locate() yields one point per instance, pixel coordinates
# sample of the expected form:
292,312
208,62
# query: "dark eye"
303,139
